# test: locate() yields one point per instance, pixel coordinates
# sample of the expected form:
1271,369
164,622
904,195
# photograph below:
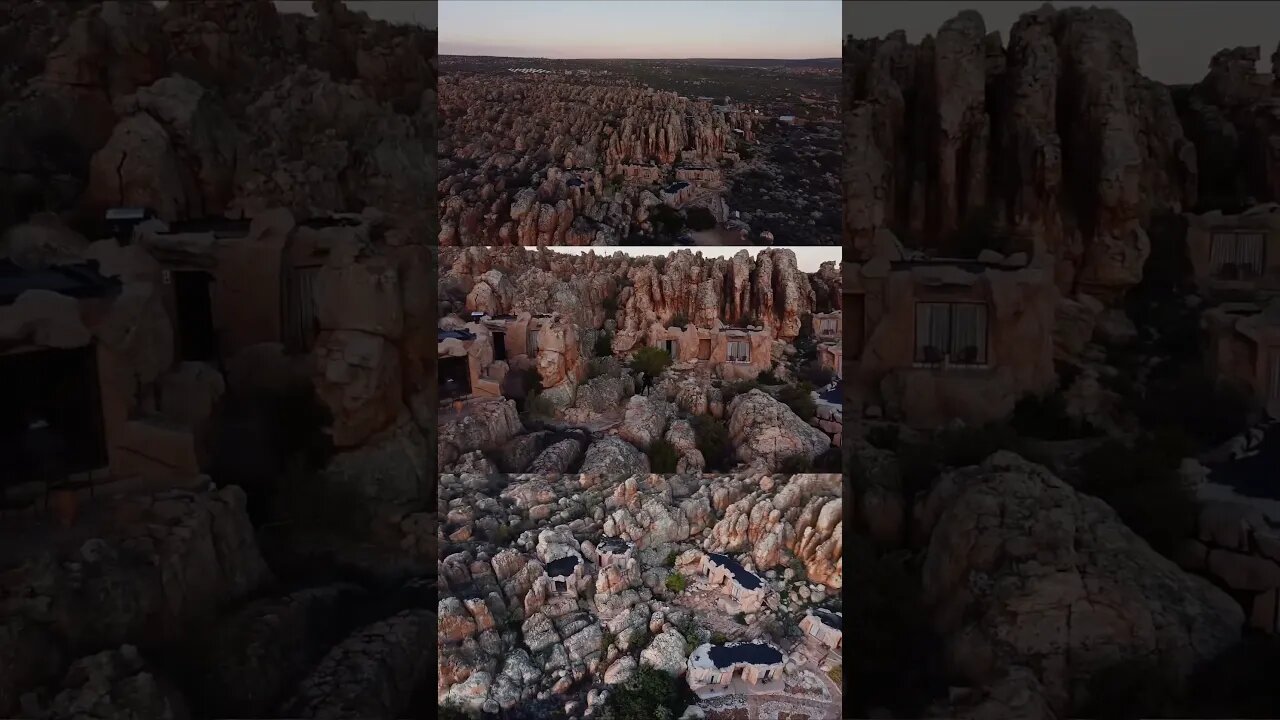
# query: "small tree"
814,373
651,361
800,399
642,695
748,320
604,344
712,438
662,456
680,321
677,583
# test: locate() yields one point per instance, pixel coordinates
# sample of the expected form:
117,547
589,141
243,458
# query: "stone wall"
1020,320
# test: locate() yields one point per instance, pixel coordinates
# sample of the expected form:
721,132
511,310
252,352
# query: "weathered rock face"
257,655
645,420
958,128
487,425
612,456
800,517
1023,572
766,433
173,560
333,105
1233,116
768,288
117,683
530,162
373,673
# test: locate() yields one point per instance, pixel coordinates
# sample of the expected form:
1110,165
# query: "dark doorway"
197,340
704,349
499,346
50,399
301,325
670,346
455,377
561,587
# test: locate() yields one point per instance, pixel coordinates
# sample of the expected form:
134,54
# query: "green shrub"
796,464
680,321
1143,486
540,406
651,361
597,367
643,695
671,558
610,306
768,378
1045,417
836,674
604,344
884,437
800,399
1186,396
747,320
532,381
829,461
712,438
740,618
677,583
662,456
718,638
814,373
739,387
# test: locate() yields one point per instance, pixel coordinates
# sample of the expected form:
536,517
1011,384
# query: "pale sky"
421,12
808,258
654,29
1175,39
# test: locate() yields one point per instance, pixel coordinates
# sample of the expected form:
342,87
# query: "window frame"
729,355
1234,235
947,361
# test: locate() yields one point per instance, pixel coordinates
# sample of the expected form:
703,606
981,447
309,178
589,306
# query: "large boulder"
644,421
486,425
612,456
766,433
1023,571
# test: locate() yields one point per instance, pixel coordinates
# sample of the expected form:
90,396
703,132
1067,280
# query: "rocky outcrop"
252,659
532,162
373,673
486,425
960,131
171,561
1023,572
117,684
612,456
765,433
644,421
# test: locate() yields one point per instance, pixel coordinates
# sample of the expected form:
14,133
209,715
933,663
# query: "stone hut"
936,340
1243,342
1236,252
713,668
824,627
744,586
566,575
614,550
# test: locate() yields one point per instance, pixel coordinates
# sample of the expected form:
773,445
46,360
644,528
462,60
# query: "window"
739,351
1236,254
951,333
531,347
1275,378
827,327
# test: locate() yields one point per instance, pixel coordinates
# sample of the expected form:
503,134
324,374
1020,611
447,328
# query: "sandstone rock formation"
1095,593
959,129
766,433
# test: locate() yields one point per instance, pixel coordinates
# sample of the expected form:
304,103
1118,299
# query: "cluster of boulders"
510,634
111,104
532,161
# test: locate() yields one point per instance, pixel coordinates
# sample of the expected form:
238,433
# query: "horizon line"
543,57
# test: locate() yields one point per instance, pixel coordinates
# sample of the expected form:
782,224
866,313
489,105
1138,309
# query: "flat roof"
217,226
829,619
722,657
80,280
743,576
614,545
454,335
562,567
